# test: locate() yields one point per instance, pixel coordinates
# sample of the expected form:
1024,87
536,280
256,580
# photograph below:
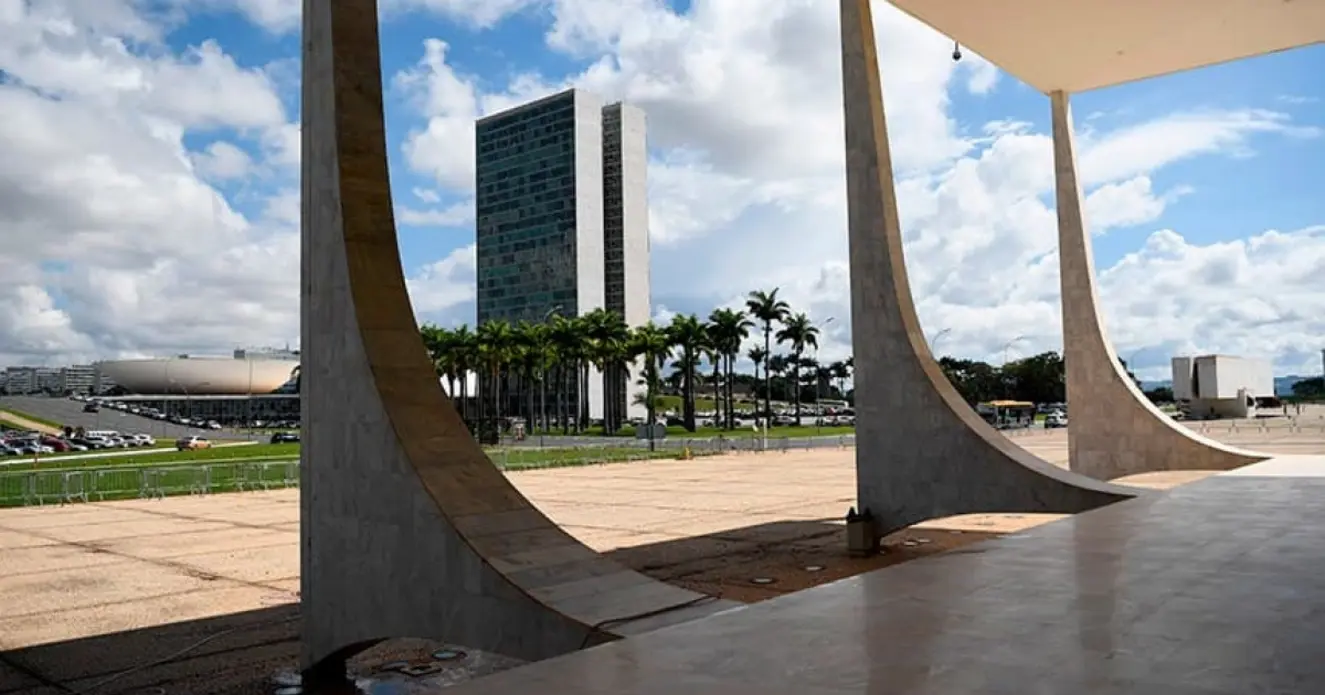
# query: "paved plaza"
746,527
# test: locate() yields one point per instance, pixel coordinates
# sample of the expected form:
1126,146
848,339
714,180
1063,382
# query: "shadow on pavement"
240,653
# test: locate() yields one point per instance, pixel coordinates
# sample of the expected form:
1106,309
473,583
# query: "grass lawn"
155,457
522,458
243,468
11,424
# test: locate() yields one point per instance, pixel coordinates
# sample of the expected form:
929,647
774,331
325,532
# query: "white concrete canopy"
1079,45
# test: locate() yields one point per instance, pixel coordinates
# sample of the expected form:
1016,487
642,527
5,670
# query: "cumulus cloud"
746,182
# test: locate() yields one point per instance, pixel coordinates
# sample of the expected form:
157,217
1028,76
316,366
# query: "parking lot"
70,413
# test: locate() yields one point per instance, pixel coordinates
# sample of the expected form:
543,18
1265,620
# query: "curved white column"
1114,430
921,451
408,530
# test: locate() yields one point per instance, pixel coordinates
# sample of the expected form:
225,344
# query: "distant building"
1216,386
78,379
19,380
562,215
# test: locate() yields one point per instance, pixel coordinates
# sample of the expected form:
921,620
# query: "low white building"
1217,386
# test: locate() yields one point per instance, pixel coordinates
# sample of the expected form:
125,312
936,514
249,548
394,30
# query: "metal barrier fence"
23,488
1302,426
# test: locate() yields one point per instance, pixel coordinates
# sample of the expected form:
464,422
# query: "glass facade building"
562,214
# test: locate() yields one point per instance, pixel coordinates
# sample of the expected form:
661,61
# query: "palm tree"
608,341
440,344
495,345
838,372
570,344
730,328
533,349
798,331
757,355
713,356
688,334
653,345
767,308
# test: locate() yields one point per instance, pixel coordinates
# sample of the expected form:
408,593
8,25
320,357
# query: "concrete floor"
1211,589
74,573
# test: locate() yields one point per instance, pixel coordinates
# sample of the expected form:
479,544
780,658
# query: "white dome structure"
200,376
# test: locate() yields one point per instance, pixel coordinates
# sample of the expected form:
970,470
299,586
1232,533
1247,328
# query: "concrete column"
1114,430
921,451
408,530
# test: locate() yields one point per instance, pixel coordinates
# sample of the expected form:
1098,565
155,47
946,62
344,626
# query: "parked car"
284,437
144,439
1055,419
55,444
190,443
91,408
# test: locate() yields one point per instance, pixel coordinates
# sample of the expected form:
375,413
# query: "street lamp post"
934,342
1006,347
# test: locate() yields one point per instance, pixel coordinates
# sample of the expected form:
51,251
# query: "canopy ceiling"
1078,45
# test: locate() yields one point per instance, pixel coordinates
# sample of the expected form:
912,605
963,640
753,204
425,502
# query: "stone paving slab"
709,524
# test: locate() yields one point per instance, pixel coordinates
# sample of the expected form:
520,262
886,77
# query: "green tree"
800,333
766,308
1038,379
688,334
608,339
496,342
653,346
728,329
570,343
1310,389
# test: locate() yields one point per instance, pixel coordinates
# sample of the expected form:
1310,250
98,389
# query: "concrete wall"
921,451
1183,371
407,529
1224,376
635,234
1114,429
589,221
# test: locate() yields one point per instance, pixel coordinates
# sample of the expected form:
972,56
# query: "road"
71,414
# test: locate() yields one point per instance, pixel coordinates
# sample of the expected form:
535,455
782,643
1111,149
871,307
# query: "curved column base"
1114,430
408,530
921,451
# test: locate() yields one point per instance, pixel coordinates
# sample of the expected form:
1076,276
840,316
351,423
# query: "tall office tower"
626,234
562,218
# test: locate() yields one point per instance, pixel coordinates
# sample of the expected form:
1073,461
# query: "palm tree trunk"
717,400
796,388
768,373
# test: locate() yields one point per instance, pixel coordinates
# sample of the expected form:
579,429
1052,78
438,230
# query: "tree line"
540,371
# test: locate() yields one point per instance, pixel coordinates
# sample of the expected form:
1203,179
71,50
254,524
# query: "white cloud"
222,161
445,284
453,216
746,187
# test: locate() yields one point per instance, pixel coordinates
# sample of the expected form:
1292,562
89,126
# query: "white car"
143,439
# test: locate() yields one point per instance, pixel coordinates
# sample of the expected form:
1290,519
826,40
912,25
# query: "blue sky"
1192,171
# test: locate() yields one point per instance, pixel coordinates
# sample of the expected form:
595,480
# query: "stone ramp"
408,529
